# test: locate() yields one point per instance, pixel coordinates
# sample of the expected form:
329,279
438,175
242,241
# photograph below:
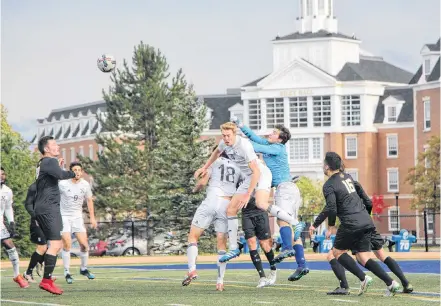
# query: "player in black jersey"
356,229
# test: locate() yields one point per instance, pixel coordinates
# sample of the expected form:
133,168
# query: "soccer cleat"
263,282
284,255
69,278
365,285
39,269
298,229
230,255
339,291
298,274
189,277
87,274
49,286
21,281
408,288
29,277
392,289
220,287
272,277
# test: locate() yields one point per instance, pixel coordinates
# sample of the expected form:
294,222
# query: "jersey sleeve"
30,198
362,194
272,149
51,167
9,212
330,210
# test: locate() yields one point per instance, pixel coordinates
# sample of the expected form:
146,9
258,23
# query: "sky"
49,48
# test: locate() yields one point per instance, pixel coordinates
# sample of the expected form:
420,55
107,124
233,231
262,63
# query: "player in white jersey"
222,178
73,194
257,178
7,211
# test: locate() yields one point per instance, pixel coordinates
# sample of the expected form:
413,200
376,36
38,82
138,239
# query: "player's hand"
200,172
61,162
311,230
331,230
93,223
236,121
243,200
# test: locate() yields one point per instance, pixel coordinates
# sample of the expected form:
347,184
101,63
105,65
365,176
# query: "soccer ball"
106,63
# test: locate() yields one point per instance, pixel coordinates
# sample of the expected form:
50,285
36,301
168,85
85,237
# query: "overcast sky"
49,47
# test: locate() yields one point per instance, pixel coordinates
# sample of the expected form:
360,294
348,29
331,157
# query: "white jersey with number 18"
224,176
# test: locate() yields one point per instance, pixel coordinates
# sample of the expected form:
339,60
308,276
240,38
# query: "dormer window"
391,113
427,69
392,108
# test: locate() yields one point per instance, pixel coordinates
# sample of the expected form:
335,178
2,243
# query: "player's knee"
337,253
330,256
266,245
41,249
56,245
380,255
232,210
281,223
84,247
8,244
252,244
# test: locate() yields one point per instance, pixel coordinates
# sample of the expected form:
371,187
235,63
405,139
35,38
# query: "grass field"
116,286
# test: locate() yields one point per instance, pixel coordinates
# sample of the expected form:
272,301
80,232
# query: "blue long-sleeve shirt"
274,155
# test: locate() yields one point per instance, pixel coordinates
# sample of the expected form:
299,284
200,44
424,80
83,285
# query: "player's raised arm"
362,194
252,160
214,155
51,167
203,181
249,133
271,149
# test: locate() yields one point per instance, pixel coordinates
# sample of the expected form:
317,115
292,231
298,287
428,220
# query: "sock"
65,255
192,254
349,263
281,214
270,257
395,268
375,268
221,267
300,255
233,226
35,259
255,257
84,257
49,265
339,272
13,257
286,235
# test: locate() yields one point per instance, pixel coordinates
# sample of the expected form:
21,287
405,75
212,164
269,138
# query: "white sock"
221,267
13,257
192,254
65,255
233,226
84,258
282,215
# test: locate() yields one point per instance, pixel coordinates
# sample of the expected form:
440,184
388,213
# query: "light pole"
396,209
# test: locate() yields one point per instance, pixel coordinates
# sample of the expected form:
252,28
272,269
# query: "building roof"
416,77
75,110
434,47
434,75
254,83
319,34
404,94
220,104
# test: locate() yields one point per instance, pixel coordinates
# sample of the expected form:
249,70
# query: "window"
329,7
322,111
351,147
350,111
427,115
299,149
430,223
81,151
91,152
353,173
308,7
63,155
298,112
254,114
392,114
274,112
427,67
392,146
321,7
316,148
72,154
392,180
394,219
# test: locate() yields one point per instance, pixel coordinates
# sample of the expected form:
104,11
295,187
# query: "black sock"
349,263
339,272
49,265
395,268
35,258
375,268
255,257
270,257
41,261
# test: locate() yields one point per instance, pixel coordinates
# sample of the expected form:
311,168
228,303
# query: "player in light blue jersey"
287,195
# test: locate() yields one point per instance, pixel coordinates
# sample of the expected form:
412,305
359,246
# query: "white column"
246,113
310,107
335,111
263,114
286,112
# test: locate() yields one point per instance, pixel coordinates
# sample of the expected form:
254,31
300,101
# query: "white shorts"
212,210
264,182
4,233
73,224
288,198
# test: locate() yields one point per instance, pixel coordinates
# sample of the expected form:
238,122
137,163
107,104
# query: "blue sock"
286,235
300,255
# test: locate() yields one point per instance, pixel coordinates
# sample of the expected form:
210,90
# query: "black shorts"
37,235
377,242
356,241
256,226
51,225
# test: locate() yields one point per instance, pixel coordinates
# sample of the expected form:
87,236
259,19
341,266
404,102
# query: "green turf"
117,287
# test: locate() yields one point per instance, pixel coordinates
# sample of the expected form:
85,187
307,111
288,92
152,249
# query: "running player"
287,196
73,194
356,229
222,178
7,211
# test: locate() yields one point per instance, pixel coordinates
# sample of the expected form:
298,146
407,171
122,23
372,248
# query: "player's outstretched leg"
192,250
13,257
287,249
266,246
339,272
84,252
36,258
349,263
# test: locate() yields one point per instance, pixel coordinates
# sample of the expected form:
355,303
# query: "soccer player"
73,194
47,206
287,195
5,235
356,229
222,178
255,224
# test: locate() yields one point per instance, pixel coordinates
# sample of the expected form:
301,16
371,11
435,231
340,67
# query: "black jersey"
30,198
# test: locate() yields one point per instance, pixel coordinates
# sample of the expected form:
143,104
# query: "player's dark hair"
285,134
333,160
73,164
43,143
3,169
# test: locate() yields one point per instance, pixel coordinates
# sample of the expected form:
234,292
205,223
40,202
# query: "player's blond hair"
229,126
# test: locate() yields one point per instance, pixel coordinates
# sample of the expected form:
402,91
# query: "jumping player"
7,211
73,194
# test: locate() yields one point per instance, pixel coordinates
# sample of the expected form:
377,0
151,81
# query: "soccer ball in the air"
106,63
